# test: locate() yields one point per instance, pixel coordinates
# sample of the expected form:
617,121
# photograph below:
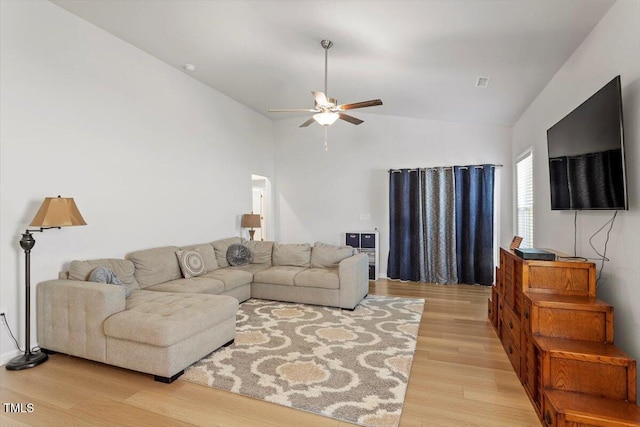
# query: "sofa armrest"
71,314
354,280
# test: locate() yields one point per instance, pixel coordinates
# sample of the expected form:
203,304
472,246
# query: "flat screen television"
586,154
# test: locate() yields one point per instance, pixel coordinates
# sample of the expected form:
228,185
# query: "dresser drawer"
564,409
587,367
512,352
511,325
568,278
568,316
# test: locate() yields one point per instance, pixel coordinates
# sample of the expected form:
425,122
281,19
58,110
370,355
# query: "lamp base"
27,360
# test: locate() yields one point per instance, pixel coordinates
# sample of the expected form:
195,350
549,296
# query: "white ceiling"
422,58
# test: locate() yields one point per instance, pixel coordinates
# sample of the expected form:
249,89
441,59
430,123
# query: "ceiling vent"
483,82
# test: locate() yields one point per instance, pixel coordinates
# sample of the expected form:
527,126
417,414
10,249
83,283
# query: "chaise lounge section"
159,333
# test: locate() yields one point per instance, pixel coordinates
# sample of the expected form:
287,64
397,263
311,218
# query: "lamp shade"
250,221
58,212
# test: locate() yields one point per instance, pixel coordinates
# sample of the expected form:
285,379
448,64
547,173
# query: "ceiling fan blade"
307,123
294,110
362,104
320,97
350,119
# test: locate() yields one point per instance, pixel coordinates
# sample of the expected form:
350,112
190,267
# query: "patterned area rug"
349,365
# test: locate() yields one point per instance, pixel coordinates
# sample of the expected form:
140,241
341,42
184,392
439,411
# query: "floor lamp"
55,212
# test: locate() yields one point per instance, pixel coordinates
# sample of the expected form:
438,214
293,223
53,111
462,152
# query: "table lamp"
251,221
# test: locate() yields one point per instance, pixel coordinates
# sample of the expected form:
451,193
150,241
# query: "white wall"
321,195
612,48
151,156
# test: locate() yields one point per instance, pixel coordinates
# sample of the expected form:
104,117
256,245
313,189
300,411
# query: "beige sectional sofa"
172,319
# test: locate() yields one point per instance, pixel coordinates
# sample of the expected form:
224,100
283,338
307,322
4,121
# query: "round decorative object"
191,263
104,275
239,255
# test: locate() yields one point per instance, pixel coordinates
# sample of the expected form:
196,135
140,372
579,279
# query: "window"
524,199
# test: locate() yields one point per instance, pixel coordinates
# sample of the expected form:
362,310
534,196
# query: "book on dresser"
559,338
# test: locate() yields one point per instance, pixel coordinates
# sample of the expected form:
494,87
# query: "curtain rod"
446,168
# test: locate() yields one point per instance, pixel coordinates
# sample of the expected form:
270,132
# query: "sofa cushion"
278,275
157,265
191,263
197,285
124,269
327,278
231,277
293,254
221,246
329,256
261,250
162,318
207,253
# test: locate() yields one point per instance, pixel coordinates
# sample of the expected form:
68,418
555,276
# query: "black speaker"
535,254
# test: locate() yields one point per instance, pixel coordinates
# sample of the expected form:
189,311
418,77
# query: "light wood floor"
460,377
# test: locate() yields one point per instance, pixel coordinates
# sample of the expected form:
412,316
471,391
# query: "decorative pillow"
238,254
208,255
191,263
105,275
329,256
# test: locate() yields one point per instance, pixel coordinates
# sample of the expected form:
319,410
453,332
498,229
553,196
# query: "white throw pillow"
191,263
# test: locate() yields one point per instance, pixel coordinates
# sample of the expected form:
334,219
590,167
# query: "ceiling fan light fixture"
326,109
326,119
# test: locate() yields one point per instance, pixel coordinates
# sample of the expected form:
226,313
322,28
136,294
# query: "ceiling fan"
326,109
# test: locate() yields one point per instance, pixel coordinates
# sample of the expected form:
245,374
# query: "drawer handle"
510,349
510,324
526,314
547,418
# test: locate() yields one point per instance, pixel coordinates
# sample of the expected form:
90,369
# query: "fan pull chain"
326,145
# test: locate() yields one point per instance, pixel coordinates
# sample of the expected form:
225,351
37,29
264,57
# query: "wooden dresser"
559,339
